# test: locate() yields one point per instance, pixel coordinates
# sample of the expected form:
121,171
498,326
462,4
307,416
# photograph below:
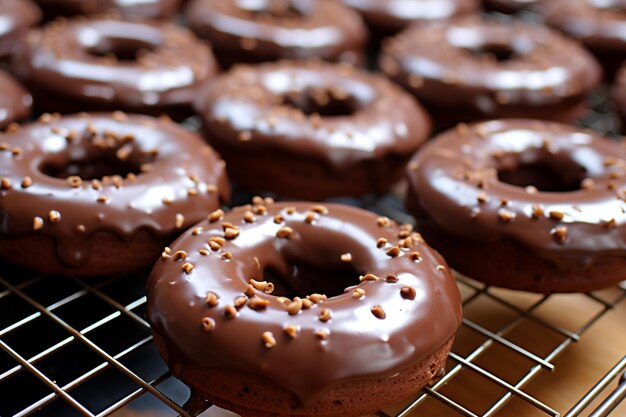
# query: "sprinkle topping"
54,216
284,232
325,315
358,293
37,223
378,312
268,340
5,183
212,299
208,324
408,293
292,330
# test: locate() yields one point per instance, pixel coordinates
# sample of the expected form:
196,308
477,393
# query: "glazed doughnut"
268,30
312,129
101,194
143,9
387,17
599,25
243,305
522,204
105,63
18,16
476,68
15,101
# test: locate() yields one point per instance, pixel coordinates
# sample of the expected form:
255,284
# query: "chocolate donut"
387,17
100,194
105,63
143,9
17,16
475,68
297,309
268,30
312,129
599,24
15,101
524,204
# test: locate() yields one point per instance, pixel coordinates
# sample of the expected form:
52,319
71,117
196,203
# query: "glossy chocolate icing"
278,105
599,24
17,17
485,68
15,101
512,6
360,343
458,183
146,9
391,16
618,95
268,30
173,179
159,68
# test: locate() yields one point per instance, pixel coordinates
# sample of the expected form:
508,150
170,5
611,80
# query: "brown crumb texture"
140,252
525,271
238,391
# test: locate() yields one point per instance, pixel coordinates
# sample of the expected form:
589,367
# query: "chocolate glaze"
18,16
455,66
276,107
268,30
512,6
15,101
390,16
174,160
71,64
599,24
145,9
456,182
618,95
358,345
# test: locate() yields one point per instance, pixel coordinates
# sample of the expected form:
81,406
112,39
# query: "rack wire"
81,347
67,340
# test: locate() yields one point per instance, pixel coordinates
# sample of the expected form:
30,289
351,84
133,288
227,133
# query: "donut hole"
299,280
118,39
545,176
325,102
90,162
122,49
499,52
91,169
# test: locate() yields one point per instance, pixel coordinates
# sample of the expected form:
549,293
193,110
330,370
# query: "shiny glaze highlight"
143,9
391,16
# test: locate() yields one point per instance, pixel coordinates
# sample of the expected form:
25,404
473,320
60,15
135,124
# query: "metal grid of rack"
81,347
66,339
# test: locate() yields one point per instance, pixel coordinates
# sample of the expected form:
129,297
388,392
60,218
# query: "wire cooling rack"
81,347
78,347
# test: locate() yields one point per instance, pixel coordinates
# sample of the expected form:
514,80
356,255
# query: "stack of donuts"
128,125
